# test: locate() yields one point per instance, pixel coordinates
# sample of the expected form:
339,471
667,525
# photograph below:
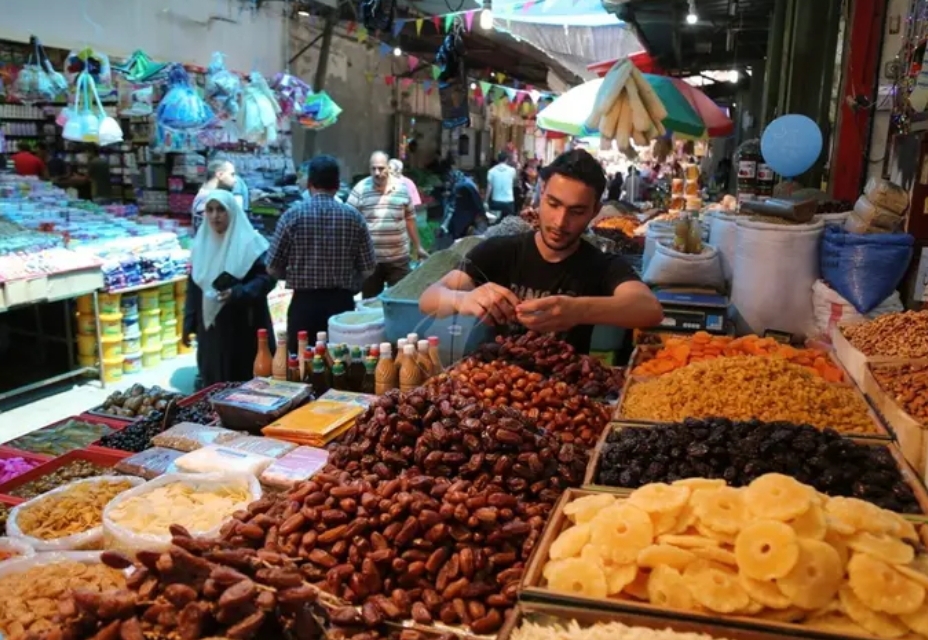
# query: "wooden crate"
905,469
911,434
854,361
535,592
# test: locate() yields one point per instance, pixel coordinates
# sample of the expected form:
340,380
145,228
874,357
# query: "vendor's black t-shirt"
514,262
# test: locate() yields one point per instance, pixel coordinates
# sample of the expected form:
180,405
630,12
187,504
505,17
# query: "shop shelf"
107,458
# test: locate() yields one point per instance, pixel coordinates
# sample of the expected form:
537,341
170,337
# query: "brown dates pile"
555,406
556,360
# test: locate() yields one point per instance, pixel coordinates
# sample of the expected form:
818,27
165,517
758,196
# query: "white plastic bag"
723,234
669,267
657,230
774,270
90,539
831,309
121,538
16,546
832,218
357,328
215,458
21,565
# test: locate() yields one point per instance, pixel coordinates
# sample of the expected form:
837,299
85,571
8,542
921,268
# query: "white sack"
831,309
657,230
722,235
669,268
357,328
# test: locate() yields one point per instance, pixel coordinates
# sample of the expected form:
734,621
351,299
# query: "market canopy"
569,111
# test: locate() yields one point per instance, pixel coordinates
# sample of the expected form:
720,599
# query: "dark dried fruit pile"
739,452
557,360
201,412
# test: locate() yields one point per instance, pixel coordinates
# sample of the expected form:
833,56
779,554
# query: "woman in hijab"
227,292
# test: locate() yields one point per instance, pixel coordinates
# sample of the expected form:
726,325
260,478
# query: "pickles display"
59,439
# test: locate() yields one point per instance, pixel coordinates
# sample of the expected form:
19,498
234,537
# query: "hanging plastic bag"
864,268
37,81
140,69
80,123
319,111
223,88
181,108
291,93
108,130
258,116
139,102
95,63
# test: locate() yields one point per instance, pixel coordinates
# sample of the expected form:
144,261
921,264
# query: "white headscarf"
234,252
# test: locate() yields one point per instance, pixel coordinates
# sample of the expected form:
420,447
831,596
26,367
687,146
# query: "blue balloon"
791,144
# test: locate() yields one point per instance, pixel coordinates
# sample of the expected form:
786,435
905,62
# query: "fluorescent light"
304,14
397,52
735,76
691,18
486,19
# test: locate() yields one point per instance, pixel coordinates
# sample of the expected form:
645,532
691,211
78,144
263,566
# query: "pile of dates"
420,547
196,589
449,436
556,407
557,360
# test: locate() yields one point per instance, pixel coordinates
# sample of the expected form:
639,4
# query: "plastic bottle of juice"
263,366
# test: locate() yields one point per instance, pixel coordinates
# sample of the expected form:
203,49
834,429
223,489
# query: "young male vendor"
550,280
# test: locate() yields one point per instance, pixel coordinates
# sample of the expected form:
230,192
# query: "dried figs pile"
555,407
557,360
739,452
195,589
417,546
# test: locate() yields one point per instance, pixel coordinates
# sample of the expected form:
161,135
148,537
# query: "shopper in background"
614,192
28,161
323,249
227,291
396,172
220,174
501,180
98,172
464,209
391,219
529,183
633,185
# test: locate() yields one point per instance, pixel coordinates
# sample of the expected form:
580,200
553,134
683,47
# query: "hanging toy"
258,116
450,55
291,93
319,111
93,62
140,69
38,81
223,88
86,120
181,108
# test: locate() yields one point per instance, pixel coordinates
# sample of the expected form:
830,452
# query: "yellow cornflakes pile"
75,509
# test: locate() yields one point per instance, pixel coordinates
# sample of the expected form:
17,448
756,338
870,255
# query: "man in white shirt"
501,181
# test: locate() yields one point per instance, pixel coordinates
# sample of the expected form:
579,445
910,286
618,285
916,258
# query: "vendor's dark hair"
578,165
324,173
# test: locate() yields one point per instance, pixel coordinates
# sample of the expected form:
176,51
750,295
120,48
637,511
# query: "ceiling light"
691,17
397,52
486,19
735,76
304,14
473,85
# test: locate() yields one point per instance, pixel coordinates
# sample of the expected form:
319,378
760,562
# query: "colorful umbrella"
569,111
718,125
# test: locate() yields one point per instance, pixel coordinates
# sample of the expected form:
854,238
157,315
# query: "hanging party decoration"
319,111
38,81
223,88
291,93
182,108
95,63
377,15
791,144
86,120
140,69
258,116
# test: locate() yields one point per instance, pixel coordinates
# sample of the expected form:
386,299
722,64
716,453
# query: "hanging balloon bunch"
257,118
223,87
38,81
182,108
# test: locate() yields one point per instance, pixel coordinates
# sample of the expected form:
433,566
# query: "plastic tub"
168,330
109,302
132,362
169,349
151,357
151,339
85,304
86,361
130,326
87,324
112,369
129,305
180,289
87,345
112,347
148,299
131,345
166,292
149,319
168,311
111,324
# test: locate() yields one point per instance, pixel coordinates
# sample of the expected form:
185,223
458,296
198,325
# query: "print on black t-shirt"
515,262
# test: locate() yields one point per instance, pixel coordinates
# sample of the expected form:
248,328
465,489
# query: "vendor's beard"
561,244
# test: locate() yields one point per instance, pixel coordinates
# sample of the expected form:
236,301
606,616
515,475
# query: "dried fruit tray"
535,593
13,452
546,613
853,360
911,434
881,433
908,474
96,456
113,425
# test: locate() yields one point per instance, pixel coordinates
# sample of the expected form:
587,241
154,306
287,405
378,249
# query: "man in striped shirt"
391,219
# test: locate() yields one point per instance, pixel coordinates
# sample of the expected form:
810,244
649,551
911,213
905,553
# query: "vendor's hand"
185,338
423,254
224,296
491,303
550,314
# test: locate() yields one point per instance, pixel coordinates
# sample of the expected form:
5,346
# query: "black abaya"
226,351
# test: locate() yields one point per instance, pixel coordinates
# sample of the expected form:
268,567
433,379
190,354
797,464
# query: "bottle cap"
402,342
423,345
433,341
386,349
262,333
355,352
408,349
302,335
412,337
293,361
308,353
321,336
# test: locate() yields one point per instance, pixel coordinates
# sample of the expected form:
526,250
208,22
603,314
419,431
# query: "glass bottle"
263,366
320,378
356,369
339,376
369,383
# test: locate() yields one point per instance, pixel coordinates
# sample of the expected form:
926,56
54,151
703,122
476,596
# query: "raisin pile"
739,452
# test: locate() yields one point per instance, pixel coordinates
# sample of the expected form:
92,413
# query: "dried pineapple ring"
815,577
621,531
902,528
659,497
570,542
715,587
685,519
879,586
765,592
722,509
879,624
666,588
663,554
835,623
811,524
790,614
766,549
914,574
695,484
687,542
882,546
617,575
638,588
777,497
578,577
712,534
664,522
585,508
551,566
716,554
849,515
839,544
752,609
917,621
